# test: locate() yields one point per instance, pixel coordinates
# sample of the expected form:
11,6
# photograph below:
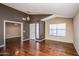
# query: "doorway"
13,30
34,31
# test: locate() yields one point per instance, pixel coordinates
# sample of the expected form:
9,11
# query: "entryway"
13,34
34,31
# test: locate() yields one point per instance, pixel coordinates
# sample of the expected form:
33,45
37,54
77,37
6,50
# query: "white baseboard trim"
34,39
59,41
76,49
2,46
25,39
13,37
40,40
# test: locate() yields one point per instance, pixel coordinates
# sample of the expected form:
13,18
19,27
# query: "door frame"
14,22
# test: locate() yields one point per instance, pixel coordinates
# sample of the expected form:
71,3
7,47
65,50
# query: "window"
57,29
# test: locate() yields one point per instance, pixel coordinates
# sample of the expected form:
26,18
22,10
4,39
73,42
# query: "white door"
32,31
37,30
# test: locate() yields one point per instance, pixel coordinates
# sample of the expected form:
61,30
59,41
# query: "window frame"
57,30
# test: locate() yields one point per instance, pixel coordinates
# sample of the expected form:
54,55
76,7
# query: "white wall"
13,30
69,29
76,31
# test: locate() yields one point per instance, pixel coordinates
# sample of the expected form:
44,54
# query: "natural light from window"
57,29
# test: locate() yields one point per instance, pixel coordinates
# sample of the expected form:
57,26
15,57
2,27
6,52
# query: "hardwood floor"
33,48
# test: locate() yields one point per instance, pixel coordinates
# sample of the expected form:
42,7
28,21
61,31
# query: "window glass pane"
37,30
61,32
52,26
61,26
52,32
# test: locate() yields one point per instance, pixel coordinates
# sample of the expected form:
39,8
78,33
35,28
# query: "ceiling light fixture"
28,18
24,19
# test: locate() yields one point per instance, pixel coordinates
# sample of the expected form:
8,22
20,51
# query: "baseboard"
60,41
40,40
12,37
76,49
25,39
2,46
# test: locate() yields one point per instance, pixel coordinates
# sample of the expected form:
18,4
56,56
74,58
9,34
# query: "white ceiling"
63,9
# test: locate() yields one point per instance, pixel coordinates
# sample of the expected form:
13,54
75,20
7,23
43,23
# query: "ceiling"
64,9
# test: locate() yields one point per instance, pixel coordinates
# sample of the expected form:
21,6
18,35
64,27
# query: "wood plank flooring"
33,48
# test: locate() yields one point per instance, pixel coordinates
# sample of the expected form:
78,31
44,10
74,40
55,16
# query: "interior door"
32,31
37,30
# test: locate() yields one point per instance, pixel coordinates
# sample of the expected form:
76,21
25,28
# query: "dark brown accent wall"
37,18
42,30
7,13
26,29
